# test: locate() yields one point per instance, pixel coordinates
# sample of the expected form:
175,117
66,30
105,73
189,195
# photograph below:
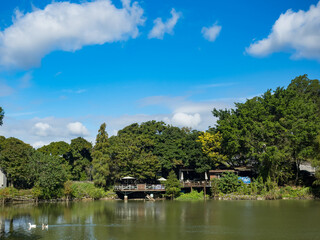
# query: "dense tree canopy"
13,161
1,115
274,132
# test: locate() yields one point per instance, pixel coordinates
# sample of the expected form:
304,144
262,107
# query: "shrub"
84,190
193,195
229,183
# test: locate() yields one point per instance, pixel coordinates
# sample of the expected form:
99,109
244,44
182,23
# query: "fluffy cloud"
211,33
160,28
78,129
186,120
66,26
42,129
293,31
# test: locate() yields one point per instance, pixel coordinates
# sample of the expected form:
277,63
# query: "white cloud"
39,144
38,132
42,129
160,28
77,128
297,32
186,120
66,26
211,33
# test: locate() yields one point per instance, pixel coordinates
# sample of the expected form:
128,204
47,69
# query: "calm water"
164,220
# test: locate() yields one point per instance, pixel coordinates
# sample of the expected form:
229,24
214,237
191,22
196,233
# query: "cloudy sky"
68,66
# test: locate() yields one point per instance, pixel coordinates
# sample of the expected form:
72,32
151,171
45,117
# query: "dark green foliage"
1,115
229,183
274,132
13,161
131,155
46,174
80,159
62,150
101,158
172,185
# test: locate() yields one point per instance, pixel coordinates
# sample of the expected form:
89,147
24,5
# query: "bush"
229,183
193,195
215,187
7,193
84,190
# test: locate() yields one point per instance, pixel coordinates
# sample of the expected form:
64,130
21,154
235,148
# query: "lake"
164,220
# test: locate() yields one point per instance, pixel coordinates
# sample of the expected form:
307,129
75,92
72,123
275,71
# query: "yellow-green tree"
211,146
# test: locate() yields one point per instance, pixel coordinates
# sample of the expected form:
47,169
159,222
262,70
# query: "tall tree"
13,160
80,160
172,185
101,158
211,146
1,115
62,151
45,172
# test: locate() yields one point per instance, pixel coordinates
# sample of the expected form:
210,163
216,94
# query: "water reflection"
163,220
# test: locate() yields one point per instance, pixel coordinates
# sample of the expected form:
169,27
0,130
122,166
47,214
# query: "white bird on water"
45,226
32,226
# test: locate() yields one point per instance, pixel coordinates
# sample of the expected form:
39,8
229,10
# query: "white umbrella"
205,176
127,177
162,179
181,177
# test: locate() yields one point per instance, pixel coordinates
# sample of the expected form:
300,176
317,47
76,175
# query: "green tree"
1,115
62,150
46,174
274,132
13,160
101,157
131,154
229,183
172,186
80,159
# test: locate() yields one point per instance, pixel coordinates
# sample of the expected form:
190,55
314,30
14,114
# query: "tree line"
272,134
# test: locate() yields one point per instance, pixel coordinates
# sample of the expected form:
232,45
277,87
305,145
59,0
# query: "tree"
80,159
172,186
101,158
46,174
274,132
1,115
211,146
131,154
13,160
61,150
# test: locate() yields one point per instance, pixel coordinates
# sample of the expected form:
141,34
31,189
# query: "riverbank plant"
173,187
81,190
193,195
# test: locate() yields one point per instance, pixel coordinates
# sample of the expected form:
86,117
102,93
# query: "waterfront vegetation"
272,134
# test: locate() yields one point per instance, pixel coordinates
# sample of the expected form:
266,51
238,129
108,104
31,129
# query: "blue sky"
67,67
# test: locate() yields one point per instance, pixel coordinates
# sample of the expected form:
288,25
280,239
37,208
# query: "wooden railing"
159,187
193,183
140,187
